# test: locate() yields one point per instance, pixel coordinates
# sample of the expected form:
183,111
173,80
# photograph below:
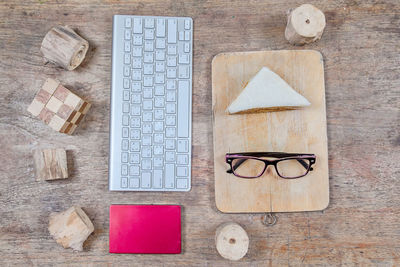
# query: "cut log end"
64,47
305,24
232,241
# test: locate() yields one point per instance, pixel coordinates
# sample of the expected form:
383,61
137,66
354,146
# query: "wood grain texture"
50,164
298,131
361,50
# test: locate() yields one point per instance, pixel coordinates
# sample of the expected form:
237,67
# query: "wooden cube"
70,228
50,164
58,107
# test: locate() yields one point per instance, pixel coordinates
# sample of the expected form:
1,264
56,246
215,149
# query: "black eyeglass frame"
281,156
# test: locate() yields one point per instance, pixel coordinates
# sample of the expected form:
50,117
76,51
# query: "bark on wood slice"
305,24
70,228
50,164
64,47
232,241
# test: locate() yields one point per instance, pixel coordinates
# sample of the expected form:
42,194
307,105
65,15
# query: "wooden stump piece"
70,228
64,47
50,164
305,24
231,241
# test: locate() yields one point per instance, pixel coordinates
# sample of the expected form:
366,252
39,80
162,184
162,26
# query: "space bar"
183,108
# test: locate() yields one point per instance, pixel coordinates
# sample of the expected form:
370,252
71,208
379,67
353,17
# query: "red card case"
145,229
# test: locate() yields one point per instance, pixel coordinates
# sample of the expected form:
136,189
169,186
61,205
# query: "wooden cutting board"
302,131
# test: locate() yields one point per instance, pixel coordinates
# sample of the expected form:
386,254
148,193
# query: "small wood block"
231,241
46,115
35,107
65,112
50,164
64,47
73,101
57,123
61,92
50,85
70,228
54,104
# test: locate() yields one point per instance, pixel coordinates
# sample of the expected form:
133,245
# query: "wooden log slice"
232,241
305,24
64,47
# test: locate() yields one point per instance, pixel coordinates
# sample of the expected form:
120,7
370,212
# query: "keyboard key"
160,66
137,75
187,24
170,96
133,170
147,116
147,128
160,55
148,34
135,146
170,144
170,120
126,95
181,183
183,72
148,69
146,164
137,51
125,120
169,156
182,171
125,107
184,59
172,27
136,99
160,28
124,157
135,122
158,150
159,102
137,40
146,152
125,144
128,23
136,63
159,138
137,25
182,159
183,145
171,73
170,132
181,36
170,108
171,49
133,158
148,57
171,61
187,35
149,23
148,92
127,34
126,83
127,46
146,179
169,175
159,90
183,108
125,132
135,134
147,105
148,81
159,114
148,46
146,140
160,43
171,85
135,110
126,71
127,58
124,182
186,47
124,169
159,126
157,178
160,78
158,162
133,182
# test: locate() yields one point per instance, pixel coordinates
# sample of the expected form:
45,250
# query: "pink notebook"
145,229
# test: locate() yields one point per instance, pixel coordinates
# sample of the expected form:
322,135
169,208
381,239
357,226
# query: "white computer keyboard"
151,104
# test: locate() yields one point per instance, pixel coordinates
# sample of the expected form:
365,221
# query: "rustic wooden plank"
361,51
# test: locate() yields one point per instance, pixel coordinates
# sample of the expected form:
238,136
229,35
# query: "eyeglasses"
253,165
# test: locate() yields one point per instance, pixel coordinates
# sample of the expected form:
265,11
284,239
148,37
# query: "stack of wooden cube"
58,107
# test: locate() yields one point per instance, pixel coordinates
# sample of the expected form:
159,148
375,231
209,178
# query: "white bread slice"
266,91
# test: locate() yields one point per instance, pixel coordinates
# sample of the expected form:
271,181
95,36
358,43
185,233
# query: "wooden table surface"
361,48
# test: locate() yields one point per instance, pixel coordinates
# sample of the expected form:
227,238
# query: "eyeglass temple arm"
239,162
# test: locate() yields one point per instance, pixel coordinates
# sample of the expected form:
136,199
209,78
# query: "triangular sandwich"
266,91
